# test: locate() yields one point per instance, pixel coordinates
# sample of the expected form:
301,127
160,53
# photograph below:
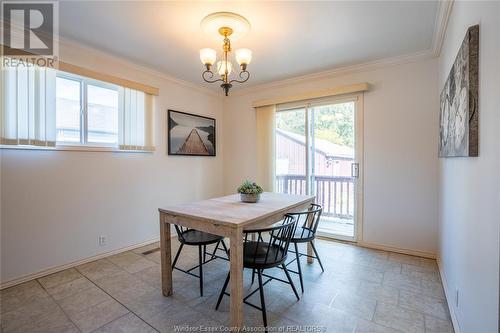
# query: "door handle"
355,170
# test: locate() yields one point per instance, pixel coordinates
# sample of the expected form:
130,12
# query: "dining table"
226,216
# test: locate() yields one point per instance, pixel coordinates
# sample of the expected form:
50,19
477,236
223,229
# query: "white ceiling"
287,38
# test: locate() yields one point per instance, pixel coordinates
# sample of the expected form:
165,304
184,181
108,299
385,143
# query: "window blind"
135,120
28,112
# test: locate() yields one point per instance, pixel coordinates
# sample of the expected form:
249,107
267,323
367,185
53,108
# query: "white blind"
28,106
135,120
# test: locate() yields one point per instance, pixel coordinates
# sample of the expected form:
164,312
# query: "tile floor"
361,290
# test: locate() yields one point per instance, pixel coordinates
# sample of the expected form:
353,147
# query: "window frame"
84,82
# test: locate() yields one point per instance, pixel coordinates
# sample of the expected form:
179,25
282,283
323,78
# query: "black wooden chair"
201,239
264,249
307,225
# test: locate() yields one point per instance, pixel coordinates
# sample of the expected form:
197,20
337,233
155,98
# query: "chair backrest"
180,231
309,219
270,244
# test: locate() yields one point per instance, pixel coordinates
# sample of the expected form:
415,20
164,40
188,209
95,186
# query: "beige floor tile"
421,272
62,291
403,282
59,278
376,291
97,316
155,257
131,262
176,315
54,322
435,325
28,313
352,304
126,324
434,289
399,318
428,305
20,295
430,264
148,304
365,326
404,259
85,299
123,283
151,276
98,269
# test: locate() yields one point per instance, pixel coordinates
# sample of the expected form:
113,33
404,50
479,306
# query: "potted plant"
249,191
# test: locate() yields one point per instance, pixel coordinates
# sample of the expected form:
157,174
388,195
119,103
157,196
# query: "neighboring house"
330,159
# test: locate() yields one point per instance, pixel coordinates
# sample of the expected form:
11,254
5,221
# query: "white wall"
469,189
55,204
400,138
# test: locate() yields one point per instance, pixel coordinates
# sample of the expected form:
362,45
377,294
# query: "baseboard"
56,269
448,294
397,250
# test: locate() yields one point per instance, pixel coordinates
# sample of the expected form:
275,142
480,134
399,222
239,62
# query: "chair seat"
195,237
254,255
301,235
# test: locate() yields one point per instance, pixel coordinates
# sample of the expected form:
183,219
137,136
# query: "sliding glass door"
317,152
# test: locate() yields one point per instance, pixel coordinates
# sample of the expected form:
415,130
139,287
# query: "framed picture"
459,111
190,134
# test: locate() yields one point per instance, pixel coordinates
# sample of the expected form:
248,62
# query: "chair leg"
222,292
215,249
317,256
200,257
177,255
262,301
204,253
297,255
225,248
291,282
253,275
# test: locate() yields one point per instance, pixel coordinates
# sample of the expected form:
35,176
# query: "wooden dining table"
225,216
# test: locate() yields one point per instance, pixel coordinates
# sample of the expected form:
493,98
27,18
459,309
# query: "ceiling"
288,39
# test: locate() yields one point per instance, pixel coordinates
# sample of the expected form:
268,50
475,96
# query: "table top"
229,210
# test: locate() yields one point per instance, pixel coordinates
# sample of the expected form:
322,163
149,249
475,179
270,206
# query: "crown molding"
442,17
127,63
362,67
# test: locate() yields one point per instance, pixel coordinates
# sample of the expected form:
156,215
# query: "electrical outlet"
102,240
456,298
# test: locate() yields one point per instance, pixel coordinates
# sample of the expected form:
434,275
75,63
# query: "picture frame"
459,102
190,134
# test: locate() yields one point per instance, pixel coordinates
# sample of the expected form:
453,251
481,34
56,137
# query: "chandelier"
225,24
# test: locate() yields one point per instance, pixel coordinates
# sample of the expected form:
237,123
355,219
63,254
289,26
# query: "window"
45,107
86,111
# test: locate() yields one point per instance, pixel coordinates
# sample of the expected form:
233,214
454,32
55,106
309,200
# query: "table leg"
166,256
236,279
310,253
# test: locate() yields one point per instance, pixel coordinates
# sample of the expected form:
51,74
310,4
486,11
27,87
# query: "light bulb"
208,56
221,67
243,56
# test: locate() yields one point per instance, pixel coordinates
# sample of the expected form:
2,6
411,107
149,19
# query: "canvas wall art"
459,110
190,134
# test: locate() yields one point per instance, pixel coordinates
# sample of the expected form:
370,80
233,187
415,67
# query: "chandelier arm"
244,75
209,77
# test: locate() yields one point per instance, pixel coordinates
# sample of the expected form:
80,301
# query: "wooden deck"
194,144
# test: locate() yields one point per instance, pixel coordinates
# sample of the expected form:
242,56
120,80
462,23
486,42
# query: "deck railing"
335,194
